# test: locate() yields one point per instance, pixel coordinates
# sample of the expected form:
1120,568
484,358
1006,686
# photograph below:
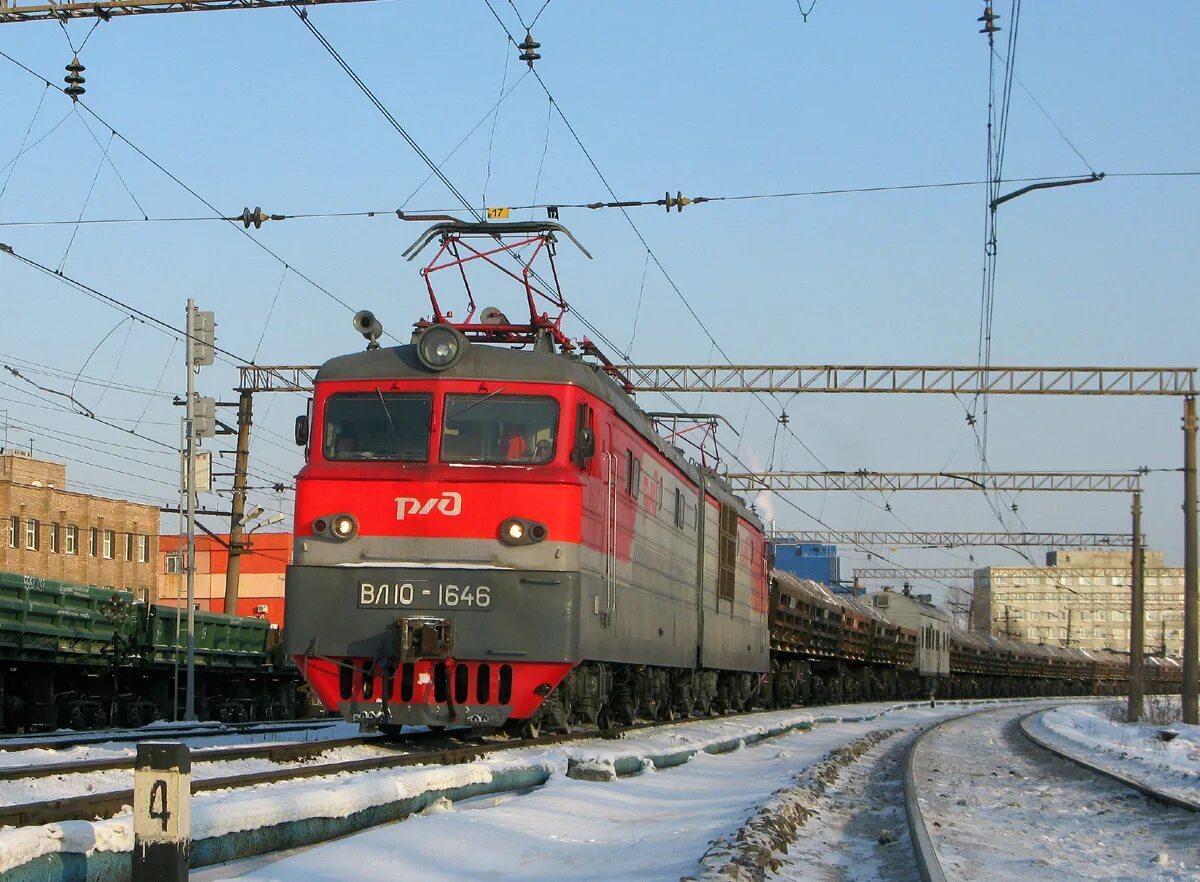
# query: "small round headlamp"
343,526
440,346
522,531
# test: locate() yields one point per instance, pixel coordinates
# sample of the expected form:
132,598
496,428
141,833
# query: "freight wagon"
83,657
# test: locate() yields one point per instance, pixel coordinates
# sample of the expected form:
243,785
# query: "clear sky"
713,99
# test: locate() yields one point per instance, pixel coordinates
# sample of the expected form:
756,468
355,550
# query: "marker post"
162,795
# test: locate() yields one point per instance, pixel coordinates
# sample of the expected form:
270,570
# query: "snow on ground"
65,785
652,826
858,832
1131,749
999,807
112,749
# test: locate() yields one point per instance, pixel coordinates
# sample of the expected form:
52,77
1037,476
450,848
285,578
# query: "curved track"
1132,783
996,805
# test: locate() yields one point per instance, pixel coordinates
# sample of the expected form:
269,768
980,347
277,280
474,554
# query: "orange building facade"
260,586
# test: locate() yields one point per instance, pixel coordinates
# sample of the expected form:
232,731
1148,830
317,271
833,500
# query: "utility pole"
199,422
1191,653
1007,623
189,708
1067,644
1137,616
238,506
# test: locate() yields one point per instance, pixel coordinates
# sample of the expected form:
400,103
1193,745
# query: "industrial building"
820,563
54,533
1080,599
260,583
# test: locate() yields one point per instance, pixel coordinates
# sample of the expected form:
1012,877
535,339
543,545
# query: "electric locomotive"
490,532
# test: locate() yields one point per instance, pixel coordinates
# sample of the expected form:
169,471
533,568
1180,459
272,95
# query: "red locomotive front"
438,523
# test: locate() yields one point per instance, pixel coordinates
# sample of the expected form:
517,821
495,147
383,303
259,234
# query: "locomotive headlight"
343,526
513,531
440,346
520,531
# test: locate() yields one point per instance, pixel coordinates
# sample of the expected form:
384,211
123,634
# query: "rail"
104,736
928,864
279,752
1133,783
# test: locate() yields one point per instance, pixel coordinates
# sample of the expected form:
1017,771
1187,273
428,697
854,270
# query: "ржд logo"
449,504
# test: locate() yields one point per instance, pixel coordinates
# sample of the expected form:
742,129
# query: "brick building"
260,586
54,533
1080,599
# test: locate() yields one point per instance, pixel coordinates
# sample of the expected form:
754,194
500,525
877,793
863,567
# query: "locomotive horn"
367,325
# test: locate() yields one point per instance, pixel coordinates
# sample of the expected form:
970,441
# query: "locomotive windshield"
499,428
377,425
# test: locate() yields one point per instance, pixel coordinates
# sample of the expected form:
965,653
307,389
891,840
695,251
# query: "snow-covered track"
291,750
424,749
926,855
996,805
104,805
1126,780
103,736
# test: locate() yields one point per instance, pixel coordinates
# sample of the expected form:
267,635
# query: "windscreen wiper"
459,413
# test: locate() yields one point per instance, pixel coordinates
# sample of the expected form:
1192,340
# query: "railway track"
83,739
420,748
424,748
986,801
1132,783
446,749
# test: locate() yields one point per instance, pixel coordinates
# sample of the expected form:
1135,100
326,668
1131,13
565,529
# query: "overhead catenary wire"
12,167
567,205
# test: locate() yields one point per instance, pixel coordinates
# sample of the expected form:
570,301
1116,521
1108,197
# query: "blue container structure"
810,561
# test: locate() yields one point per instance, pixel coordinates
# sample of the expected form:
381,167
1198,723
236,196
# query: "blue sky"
712,99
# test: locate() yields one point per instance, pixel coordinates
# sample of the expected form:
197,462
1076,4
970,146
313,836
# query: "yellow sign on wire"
498,213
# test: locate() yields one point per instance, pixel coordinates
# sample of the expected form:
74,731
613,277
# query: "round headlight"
343,526
439,347
513,531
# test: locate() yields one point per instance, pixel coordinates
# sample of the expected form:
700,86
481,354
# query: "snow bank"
220,813
1131,749
761,844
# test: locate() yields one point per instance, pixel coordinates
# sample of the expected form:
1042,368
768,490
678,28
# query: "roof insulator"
73,79
529,47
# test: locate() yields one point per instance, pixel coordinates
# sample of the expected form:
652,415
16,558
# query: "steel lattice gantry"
948,539
277,378
1114,482
912,379
21,10
928,573
843,378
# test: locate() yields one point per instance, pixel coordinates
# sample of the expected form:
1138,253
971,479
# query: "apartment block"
1080,599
